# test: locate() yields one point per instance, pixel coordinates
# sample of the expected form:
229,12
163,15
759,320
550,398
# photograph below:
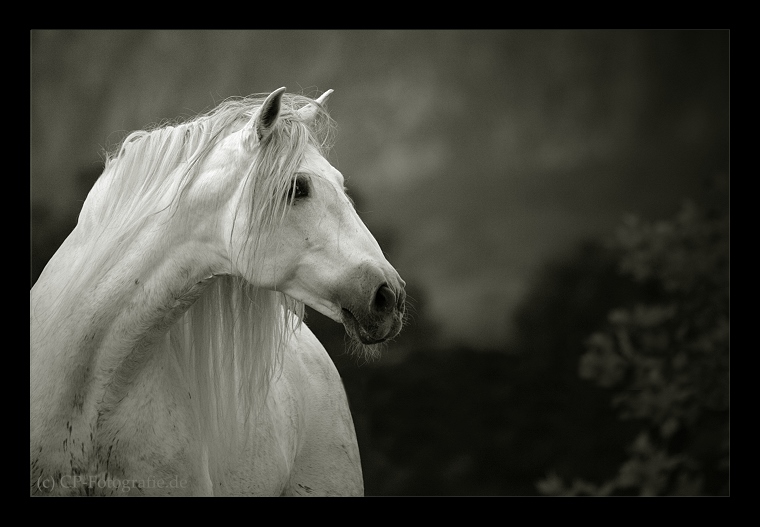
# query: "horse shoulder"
327,462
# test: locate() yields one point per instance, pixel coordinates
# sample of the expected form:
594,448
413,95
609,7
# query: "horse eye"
299,189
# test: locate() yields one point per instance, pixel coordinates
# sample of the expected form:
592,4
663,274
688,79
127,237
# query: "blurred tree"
668,361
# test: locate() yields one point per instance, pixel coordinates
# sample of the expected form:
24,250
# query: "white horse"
168,354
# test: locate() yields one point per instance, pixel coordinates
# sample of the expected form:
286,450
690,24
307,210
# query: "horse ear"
309,111
263,120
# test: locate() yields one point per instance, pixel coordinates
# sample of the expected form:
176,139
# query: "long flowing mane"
229,343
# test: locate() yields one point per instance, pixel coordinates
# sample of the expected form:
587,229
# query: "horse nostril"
385,299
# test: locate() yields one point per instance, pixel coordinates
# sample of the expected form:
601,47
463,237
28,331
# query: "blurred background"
557,202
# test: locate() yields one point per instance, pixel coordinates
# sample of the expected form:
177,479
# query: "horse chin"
358,332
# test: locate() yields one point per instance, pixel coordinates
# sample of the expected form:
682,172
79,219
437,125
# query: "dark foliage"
667,361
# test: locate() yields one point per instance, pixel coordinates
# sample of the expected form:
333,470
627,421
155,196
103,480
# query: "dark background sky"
477,154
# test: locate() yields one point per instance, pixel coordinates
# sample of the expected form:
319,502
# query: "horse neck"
88,342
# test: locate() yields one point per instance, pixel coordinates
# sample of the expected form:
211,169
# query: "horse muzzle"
380,316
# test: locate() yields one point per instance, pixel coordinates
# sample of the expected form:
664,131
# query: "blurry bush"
667,361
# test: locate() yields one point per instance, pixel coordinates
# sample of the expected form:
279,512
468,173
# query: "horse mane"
229,343
137,170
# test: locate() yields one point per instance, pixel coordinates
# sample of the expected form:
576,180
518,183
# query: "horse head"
292,228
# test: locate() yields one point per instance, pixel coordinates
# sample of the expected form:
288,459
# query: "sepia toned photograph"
414,263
